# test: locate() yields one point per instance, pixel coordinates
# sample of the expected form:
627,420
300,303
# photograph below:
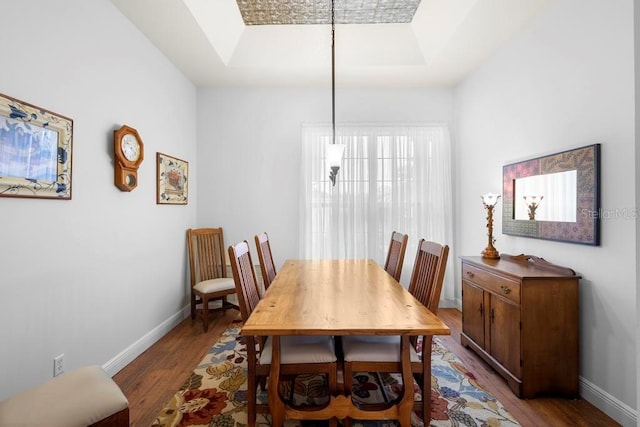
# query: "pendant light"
334,151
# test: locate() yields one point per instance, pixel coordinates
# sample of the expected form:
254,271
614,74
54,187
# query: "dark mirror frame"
586,229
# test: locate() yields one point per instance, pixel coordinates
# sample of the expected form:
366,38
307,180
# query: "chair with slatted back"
381,354
395,254
299,354
265,258
208,272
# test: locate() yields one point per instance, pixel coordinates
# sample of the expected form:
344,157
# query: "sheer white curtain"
393,177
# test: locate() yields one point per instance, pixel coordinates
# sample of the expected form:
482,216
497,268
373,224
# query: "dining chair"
208,272
265,258
299,354
382,354
395,254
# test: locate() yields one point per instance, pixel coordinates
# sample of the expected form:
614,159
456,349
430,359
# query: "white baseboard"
451,303
619,411
126,356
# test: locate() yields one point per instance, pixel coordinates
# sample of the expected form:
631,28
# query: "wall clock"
129,153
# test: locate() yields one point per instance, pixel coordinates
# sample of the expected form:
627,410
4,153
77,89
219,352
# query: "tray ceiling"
212,45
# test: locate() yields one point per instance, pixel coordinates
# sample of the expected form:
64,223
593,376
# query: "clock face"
130,147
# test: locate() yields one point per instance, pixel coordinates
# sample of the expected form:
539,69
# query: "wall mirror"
554,197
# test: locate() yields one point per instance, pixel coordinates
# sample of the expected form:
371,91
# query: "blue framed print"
35,151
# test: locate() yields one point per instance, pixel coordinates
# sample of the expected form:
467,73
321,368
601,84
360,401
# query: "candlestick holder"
489,201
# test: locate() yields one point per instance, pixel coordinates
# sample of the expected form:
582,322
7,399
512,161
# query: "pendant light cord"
333,71
334,168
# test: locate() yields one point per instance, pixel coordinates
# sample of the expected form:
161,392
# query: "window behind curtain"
392,178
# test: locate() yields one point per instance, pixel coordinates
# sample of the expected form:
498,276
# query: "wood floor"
151,379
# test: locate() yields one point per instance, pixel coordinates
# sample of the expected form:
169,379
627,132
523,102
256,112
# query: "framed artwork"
35,151
173,180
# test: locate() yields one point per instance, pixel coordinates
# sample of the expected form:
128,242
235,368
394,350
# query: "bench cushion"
74,399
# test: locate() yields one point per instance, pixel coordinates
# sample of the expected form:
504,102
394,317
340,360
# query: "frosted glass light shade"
532,200
490,199
334,154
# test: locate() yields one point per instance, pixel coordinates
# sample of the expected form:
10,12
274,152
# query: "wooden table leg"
405,406
426,378
251,382
276,405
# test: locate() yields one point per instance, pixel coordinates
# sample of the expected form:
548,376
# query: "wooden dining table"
338,298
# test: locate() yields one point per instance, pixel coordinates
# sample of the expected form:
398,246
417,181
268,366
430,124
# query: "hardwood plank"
154,376
151,379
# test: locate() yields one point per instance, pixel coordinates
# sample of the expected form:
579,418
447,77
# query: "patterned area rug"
216,392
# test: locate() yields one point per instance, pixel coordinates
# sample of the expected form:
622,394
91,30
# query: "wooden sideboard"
520,314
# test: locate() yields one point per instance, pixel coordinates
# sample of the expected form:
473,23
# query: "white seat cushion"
74,399
374,349
301,349
215,285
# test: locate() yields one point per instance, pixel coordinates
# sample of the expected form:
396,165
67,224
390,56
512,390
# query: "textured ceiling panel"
284,12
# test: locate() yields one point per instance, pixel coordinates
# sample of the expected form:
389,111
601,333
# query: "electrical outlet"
58,365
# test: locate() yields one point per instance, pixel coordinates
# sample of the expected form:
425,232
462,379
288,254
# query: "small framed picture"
173,180
35,151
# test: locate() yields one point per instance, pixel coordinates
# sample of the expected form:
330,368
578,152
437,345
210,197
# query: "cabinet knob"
470,273
505,289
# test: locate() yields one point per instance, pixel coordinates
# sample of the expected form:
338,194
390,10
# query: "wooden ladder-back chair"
267,267
299,354
207,270
382,354
395,255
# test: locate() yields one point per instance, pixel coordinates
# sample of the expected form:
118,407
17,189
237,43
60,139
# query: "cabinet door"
473,312
505,334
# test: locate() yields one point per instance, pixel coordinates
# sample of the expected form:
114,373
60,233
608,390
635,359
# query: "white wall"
250,140
636,27
568,81
94,277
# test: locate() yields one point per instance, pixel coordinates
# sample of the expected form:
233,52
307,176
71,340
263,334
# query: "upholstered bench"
81,398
